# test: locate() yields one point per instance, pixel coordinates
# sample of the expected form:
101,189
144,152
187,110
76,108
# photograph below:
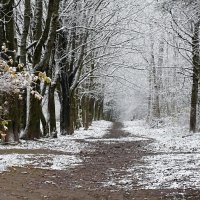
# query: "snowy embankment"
175,159
63,144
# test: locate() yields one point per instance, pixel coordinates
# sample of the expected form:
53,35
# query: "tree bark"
32,129
2,31
27,19
37,29
65,111
43,38
51,110
10,28
33,126
195,80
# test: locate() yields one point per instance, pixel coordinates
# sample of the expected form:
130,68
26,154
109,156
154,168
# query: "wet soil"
89,180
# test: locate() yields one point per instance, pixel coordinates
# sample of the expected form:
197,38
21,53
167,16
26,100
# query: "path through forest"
101,176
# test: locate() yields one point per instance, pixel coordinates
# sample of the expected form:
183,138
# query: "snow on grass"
126,182
66,144
97,130
170,171
116,140
42,161
167,171
58,144
166,139
176,163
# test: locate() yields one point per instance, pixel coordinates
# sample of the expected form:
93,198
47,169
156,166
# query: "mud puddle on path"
98,177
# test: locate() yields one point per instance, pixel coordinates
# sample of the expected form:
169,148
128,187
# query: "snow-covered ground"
175,162
64,144
167,139
43,161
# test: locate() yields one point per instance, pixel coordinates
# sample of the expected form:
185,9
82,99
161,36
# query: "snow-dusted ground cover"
66,144
114,140
167,139
97,130
43,161
175,162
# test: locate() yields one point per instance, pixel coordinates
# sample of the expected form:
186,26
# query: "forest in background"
75,61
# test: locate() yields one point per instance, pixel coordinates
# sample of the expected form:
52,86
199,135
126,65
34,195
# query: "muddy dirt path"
92,179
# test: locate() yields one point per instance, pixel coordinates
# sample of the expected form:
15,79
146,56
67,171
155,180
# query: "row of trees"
73,59
177,61
54,53
160,71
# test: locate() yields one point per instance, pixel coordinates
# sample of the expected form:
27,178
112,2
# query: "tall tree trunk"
65,110
10,28
51,110
87,117
32,129
149,116
91,110
23,109
73,112
16,115
196,72
100,110
37,29
83,108
155,88
44,36
27,19
77,122
45,126
96,110
159,72
33,126
2,31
